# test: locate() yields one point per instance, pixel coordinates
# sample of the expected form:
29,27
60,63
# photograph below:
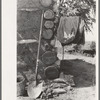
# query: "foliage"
84,8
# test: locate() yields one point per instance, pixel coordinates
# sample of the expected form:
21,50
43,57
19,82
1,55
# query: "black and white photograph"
56,50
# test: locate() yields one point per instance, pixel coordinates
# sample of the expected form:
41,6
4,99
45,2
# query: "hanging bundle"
70,30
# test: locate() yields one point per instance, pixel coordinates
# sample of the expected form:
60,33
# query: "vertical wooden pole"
62,52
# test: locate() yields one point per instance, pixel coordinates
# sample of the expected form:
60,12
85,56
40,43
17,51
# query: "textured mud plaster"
28,27
28,24
29,4
28,19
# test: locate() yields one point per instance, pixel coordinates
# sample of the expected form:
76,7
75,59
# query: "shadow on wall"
83,72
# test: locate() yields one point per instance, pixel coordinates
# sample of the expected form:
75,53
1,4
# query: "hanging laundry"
70,30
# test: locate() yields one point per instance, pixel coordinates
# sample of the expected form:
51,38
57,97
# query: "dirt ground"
84,78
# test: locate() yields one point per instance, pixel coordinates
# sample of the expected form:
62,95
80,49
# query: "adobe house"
29,14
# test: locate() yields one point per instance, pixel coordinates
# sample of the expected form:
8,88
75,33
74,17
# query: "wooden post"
62,52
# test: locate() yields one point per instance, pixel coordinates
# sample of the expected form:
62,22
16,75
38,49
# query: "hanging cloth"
68,29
